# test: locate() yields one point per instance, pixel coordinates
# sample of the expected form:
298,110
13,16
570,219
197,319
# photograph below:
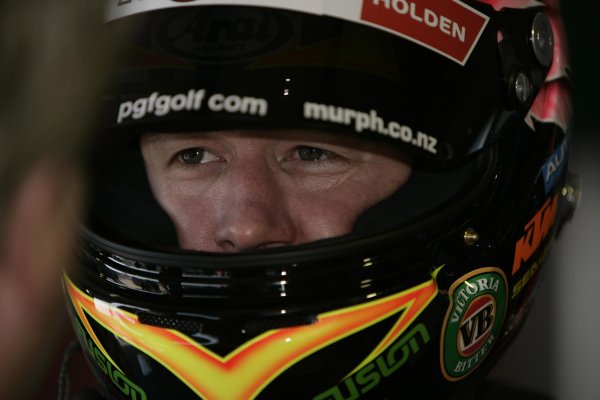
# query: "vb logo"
476,326
473,321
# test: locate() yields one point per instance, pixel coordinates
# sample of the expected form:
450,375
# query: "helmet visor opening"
246,190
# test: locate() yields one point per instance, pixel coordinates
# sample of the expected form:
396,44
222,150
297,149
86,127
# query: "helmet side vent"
182,325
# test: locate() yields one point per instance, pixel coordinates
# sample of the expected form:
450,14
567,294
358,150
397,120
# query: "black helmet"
430,282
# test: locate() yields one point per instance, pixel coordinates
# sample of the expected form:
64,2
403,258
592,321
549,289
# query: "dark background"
583,30
558,351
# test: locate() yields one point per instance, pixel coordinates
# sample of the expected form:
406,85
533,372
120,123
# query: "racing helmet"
428,287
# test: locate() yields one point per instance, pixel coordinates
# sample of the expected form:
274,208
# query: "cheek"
382,182
333,212
180,199
322,219
192,216
329,214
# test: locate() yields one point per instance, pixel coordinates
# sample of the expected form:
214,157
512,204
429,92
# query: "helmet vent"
286,321
183,325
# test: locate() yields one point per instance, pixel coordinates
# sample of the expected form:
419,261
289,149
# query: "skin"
243,190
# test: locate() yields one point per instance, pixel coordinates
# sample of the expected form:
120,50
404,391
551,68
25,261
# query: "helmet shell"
421,309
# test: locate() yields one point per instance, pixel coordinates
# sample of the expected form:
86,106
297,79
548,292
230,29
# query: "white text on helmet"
426,16
161,105
370,121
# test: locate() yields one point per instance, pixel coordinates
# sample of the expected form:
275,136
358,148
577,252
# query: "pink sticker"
552,104
500,4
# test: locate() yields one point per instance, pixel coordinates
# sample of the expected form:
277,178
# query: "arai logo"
473,321
212,35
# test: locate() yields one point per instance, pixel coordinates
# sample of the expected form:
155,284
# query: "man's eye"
307,153
195,155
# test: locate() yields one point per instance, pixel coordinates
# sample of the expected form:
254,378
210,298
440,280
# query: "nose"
253,213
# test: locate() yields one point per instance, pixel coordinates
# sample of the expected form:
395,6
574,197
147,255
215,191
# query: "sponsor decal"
222,37
530,273
473,321
500,4
371,375
123,2
370,121
561,64
163,104
553,102
536,231
121,8
104,362
554,166
450,28
551,105
246,371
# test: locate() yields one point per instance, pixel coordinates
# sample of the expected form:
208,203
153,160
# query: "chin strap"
64,380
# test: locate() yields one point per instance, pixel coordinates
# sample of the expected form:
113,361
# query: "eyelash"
328,155
323,156
179,157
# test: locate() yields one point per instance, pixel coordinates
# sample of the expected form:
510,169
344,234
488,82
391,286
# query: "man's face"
235,191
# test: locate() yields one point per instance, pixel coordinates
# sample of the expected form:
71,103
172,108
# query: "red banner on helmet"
450,28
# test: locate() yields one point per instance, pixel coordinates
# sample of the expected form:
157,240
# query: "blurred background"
558,351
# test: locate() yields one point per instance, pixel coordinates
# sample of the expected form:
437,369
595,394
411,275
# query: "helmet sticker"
108,366
552,105
561,63
372,374
536,231
246,371
369,121
473,321
555,165
500,4
122,8
163,104
530,273
191,35
450,27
